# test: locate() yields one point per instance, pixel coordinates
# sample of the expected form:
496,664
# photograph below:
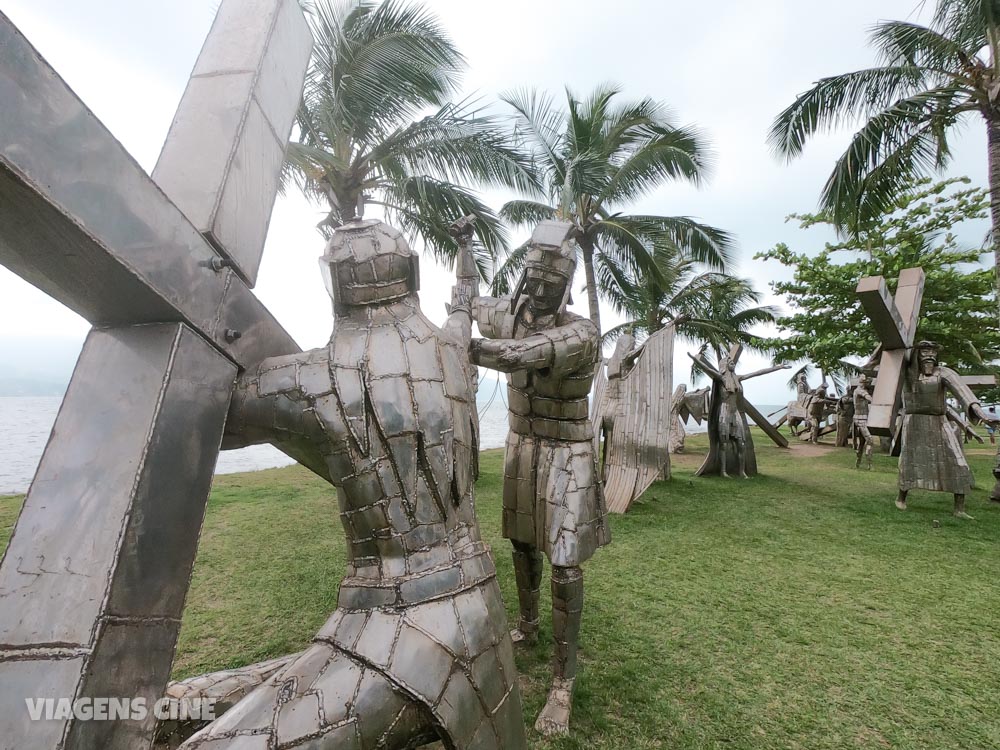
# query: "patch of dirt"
811,450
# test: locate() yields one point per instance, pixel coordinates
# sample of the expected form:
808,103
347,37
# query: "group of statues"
418,647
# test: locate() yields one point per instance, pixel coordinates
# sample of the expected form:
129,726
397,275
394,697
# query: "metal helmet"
550,249
368,262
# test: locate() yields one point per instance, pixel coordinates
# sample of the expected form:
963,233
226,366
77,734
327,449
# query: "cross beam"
895,322
93,581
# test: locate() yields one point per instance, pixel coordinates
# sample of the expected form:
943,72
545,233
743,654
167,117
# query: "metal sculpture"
683,406
797,411
552,500
845,417
93,581
820,407
931,456
729,440
864,442
633,417
418,647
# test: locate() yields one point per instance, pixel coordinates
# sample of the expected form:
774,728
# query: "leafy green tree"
360,136
931,78
707,307
827,324
595,157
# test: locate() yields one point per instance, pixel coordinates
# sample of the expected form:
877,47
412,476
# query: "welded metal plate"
222,157
98,566
83,222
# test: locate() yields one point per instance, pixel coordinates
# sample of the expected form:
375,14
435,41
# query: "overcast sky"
727,66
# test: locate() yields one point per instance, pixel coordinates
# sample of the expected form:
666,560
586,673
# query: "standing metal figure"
731,422
418,648
845,417
931,456
552,500
863,438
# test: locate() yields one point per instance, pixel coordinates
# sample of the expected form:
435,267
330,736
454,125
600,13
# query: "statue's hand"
495,354
982,416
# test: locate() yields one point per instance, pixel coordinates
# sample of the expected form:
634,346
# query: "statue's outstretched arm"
466,288
565,348
704,365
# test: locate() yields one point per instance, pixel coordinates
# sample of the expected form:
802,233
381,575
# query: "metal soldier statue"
418,648
552,500
931,456
845,417
863,438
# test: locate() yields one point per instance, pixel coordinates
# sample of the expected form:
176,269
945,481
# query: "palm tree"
594,158
931,78
375,69
713,308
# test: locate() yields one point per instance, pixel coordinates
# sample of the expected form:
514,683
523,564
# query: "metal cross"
895,321
93,582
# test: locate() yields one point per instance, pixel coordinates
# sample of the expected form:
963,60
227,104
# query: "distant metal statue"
552,500
820,407
632,415
931,455
730,444
845,417
863,438
683,406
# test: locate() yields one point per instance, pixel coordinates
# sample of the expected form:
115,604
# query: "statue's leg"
324,700
528,575
723,456
959,511
901,499
567,612
741,457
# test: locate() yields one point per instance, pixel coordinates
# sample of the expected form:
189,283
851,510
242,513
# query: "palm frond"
423,206
842,99
524,213
908,139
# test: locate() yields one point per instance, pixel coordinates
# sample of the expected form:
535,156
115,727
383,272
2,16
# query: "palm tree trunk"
993,141
587,246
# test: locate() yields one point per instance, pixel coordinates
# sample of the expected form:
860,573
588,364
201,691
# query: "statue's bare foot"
743,475
963,515
901,504
724,475
554,718
525,634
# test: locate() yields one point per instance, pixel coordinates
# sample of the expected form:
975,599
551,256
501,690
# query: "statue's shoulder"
585,326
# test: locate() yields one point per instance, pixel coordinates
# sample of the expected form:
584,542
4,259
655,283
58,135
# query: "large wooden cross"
93,582
895,321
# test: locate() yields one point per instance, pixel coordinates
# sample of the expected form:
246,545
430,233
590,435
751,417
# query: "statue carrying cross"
911,378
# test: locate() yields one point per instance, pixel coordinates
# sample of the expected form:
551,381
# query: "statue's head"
862,380
549,266
927,356
368,263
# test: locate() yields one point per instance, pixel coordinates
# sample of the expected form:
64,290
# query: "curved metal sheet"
640,437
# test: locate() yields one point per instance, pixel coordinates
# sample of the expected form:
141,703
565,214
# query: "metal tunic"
552,495
389,402
731,421
931,456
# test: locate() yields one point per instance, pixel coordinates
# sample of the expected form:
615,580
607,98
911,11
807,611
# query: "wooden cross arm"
894,319
703,364
761,421
83,222
765,371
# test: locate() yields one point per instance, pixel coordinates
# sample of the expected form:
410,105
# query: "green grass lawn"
798,609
